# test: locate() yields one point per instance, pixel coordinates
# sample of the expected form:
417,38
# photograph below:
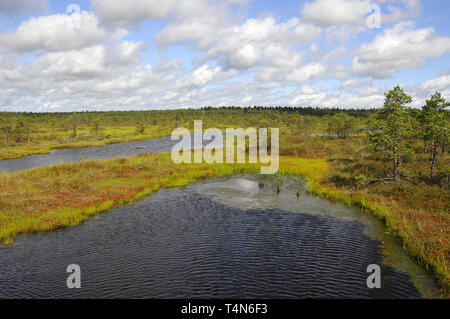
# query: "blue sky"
147,54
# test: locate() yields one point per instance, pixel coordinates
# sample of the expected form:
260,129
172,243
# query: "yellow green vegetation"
50,138
24,134
48,198
393,163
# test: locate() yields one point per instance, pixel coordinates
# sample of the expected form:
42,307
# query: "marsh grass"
49,198
46,142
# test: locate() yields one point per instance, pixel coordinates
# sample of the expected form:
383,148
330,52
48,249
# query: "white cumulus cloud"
58,32
399,48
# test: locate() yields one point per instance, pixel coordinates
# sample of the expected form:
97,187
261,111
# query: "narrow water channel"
64,155
233,237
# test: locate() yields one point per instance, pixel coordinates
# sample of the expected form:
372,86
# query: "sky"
64,56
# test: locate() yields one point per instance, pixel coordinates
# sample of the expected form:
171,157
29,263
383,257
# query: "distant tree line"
313,111
391,129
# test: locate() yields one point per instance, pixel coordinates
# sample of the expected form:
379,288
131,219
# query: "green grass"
49,198
53,197
48,140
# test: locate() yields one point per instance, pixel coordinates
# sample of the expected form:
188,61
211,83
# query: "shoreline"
49,149
122,181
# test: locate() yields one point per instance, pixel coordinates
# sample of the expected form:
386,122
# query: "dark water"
189,243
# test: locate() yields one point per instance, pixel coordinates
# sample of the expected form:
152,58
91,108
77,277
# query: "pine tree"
393,128
435,125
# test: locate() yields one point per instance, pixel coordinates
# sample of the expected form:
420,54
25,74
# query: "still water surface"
57,156
156,145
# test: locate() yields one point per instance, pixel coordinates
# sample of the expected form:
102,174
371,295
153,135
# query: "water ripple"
182,244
